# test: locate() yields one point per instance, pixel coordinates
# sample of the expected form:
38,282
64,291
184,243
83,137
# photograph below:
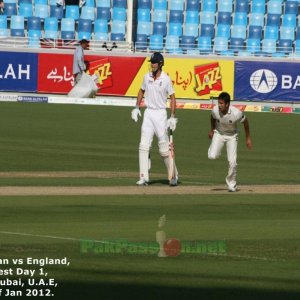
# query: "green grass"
261,231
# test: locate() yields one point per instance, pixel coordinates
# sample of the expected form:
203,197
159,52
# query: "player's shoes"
142,182
232,190
174,181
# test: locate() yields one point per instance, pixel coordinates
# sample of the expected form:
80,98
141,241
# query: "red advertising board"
115,74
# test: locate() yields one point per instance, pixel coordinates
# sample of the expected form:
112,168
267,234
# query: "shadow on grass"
78,291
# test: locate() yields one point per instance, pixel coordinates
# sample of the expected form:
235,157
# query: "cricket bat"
171,156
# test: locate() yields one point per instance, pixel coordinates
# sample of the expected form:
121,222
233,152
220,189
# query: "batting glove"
135,114
171,123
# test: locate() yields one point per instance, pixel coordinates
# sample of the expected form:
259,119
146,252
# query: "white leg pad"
164,153
144,149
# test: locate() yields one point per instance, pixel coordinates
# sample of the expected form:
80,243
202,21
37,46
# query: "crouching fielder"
156,88
224,120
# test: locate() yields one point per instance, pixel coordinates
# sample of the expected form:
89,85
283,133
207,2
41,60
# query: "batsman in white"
155,89
224,130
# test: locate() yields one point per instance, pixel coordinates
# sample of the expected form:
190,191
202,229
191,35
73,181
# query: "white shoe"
142,182
174,181
233,189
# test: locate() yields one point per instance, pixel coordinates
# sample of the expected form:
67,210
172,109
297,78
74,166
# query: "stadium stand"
220,27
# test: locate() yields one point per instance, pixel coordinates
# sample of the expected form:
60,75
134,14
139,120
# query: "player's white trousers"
154,123
215,149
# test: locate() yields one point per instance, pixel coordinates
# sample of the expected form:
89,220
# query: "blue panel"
18,71
266,81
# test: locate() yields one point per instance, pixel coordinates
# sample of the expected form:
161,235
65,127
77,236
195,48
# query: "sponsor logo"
263,81
32,99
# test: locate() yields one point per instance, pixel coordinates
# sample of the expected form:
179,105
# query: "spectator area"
197,27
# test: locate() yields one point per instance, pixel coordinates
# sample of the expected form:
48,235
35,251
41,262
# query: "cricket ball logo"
167,247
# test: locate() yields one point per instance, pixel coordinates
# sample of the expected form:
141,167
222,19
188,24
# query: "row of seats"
66,28
220,45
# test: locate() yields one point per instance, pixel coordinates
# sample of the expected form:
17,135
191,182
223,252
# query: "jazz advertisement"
117,75
265,81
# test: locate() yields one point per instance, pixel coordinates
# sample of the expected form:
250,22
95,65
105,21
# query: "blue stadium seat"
25,1
100,26
207,30
191,16
17,26
223,31
287,33
297,48
56,12
269,45
84,25
271,32
225,5
143,15
67,24
87,12
118,27
175,16
50,24
289,20
144,28
159,28
240,18
103,13
238,31
220,44
51,34
253,45
3,33
159,4
105,3
258,6
40,2
25,9
34,23
207,18
255,32
89,3
141,42
187,42
224,18
274,7
175,29
191,29
156,42
176,5
241,6
159,15
192,5
68,35
208,6
204,44
34,38
72,11
3,22
100,36
10,9
41,10
285,46
145,4
273,19
236,44
291,7
256,19
119,13
172,43
120,3
84,35
117,37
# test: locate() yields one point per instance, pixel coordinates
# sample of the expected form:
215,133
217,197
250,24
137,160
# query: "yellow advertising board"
192,78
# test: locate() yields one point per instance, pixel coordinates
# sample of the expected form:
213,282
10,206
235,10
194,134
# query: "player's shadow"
162,182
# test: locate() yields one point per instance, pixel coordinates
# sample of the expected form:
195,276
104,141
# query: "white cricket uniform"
156,96
226,132
155,118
